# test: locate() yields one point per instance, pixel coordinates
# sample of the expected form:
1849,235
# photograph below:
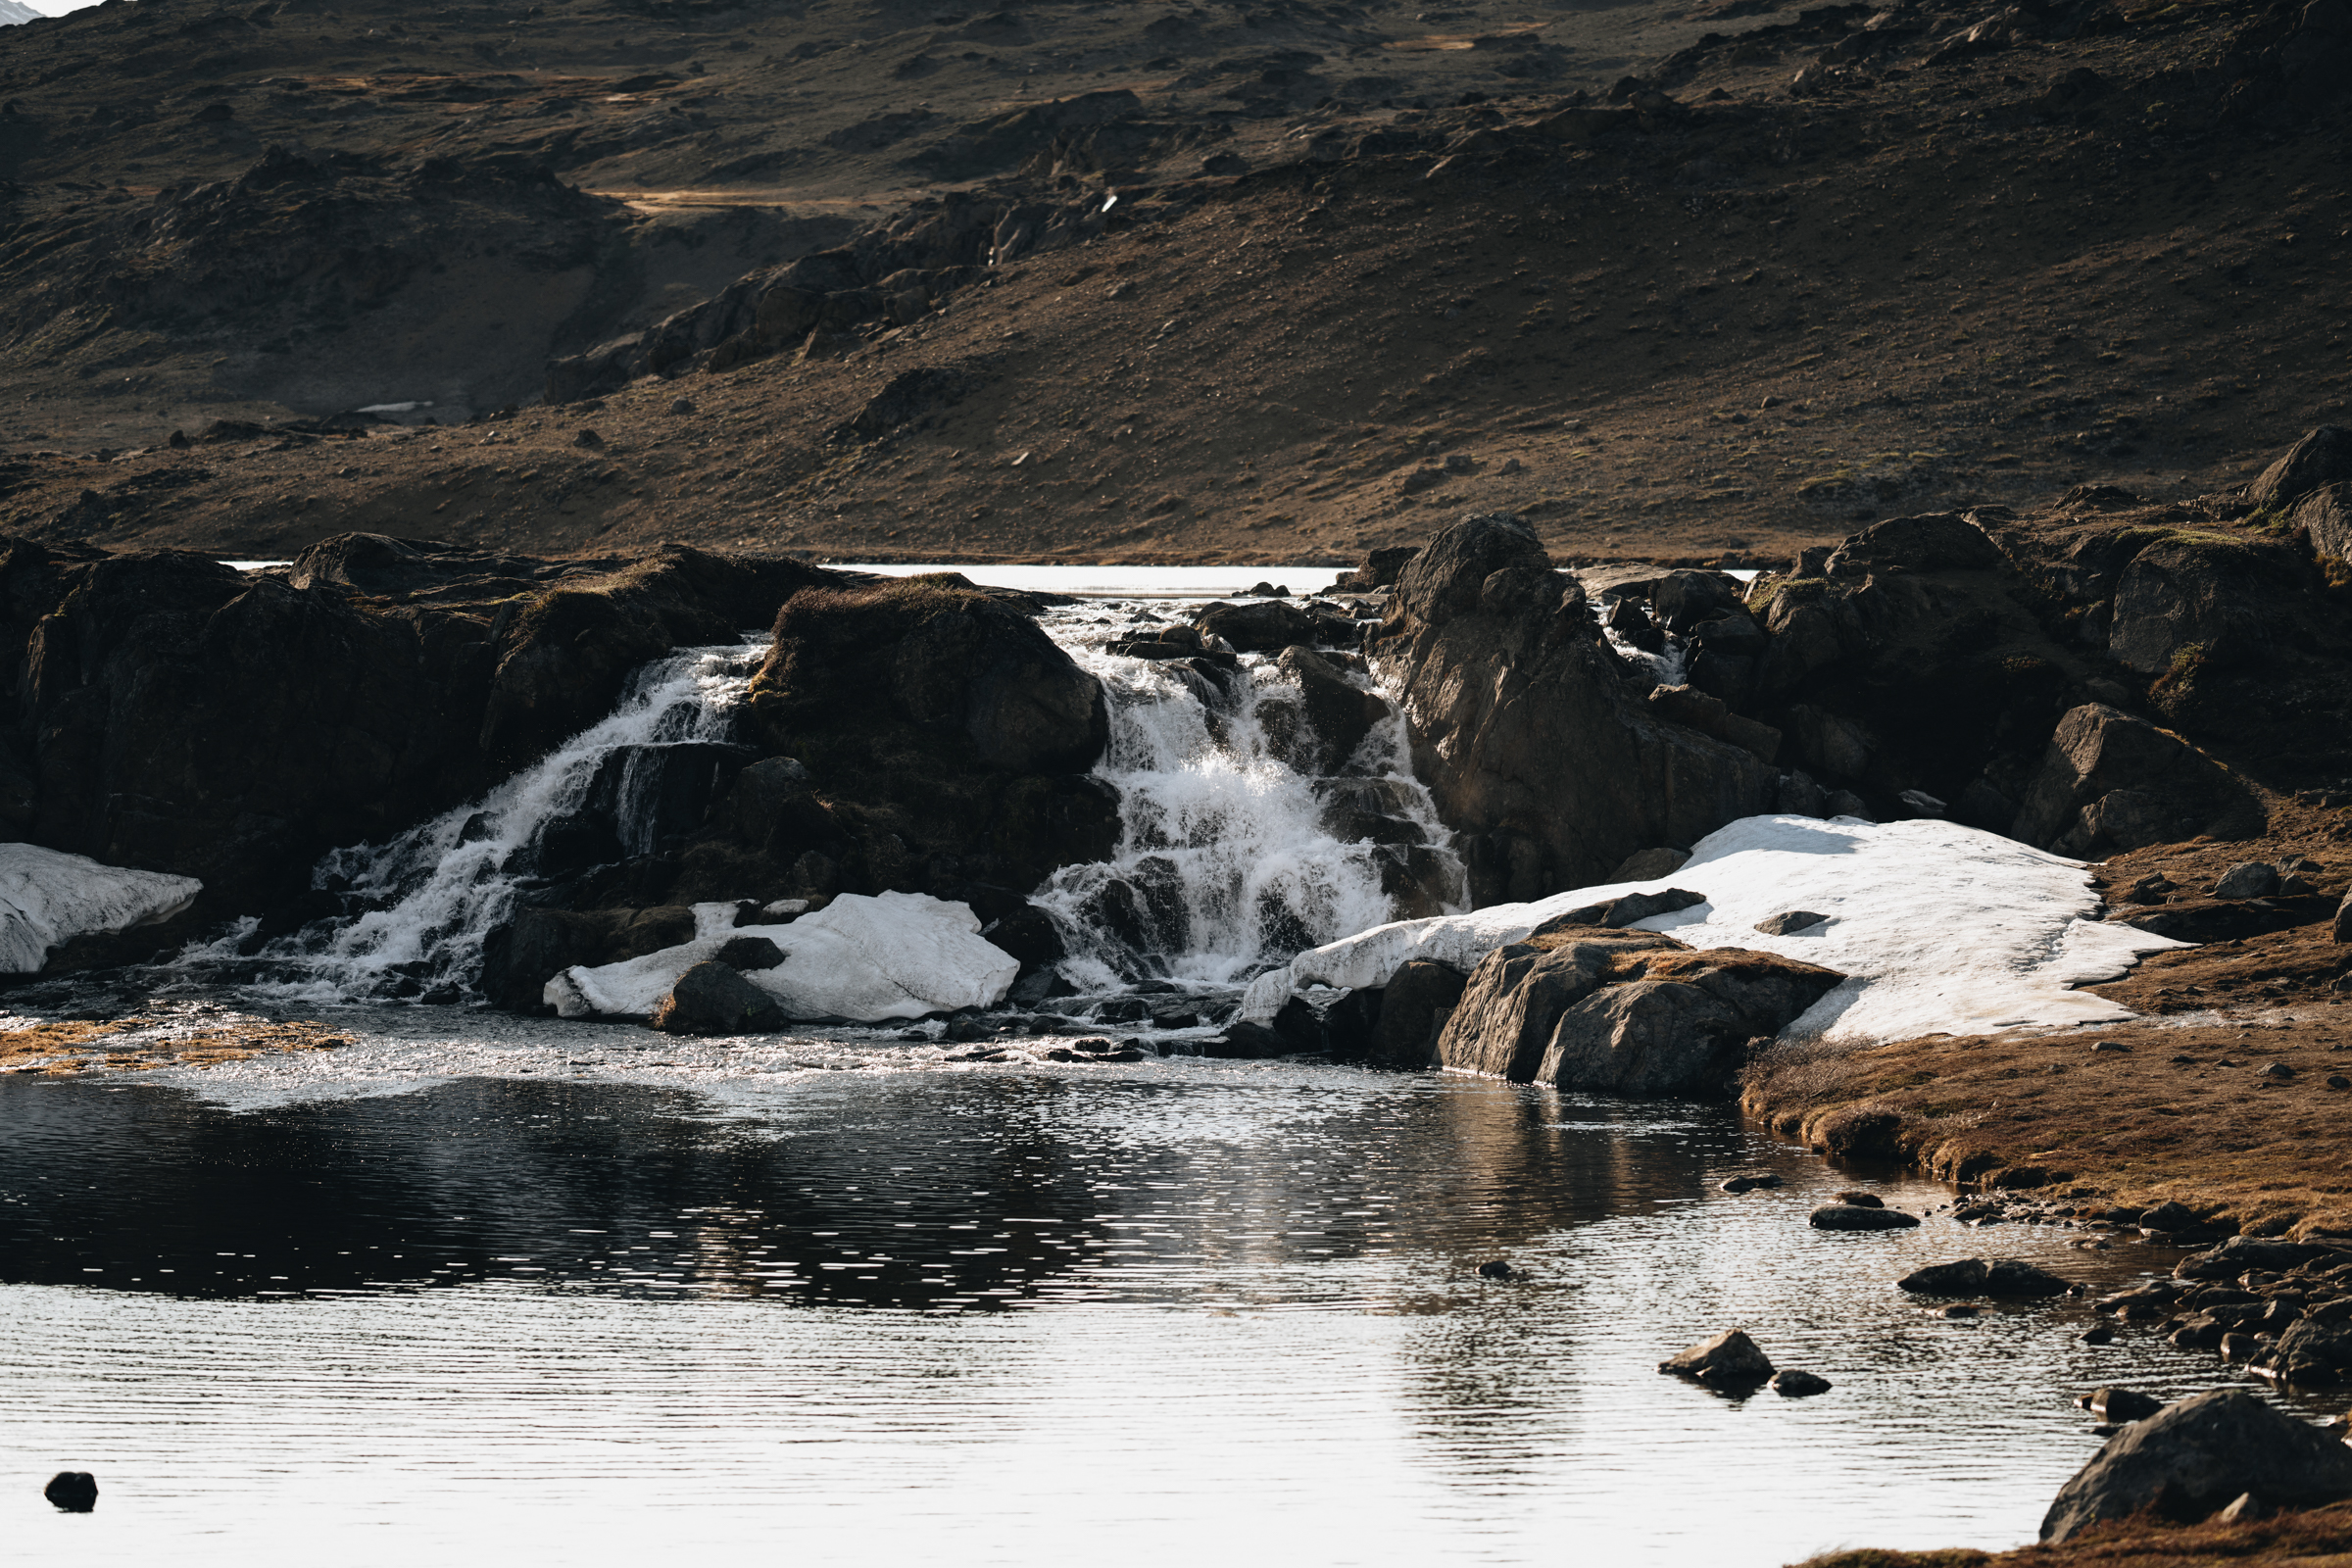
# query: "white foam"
893,956
48,897
1941,929
1239,836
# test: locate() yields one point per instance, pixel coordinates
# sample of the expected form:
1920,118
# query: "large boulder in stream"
2194,1458
1633,1012
1523,725
949,737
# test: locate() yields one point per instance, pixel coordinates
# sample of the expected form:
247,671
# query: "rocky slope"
1776,272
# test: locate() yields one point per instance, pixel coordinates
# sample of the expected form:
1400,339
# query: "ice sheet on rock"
48,897
891,955
1942,928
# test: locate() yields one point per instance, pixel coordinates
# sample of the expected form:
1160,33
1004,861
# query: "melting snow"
48,897
1941,929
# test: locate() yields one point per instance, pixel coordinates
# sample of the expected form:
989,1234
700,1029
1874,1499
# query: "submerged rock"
1855,1217
2196,1457
1798,1385
1977,1276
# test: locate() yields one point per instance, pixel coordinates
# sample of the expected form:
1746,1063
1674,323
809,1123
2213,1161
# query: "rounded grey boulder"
2194,1458
1854,1217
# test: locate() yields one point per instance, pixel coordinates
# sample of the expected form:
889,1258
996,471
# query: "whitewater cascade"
1229,859
439,889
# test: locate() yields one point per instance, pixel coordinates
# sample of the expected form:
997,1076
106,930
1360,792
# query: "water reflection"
933,1193
1021,1317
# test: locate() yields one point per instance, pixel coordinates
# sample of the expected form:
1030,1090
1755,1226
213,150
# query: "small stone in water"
1495,1269
2097,1334
1796,1385
1748,1183
72,1491
1862,1199
1960,1311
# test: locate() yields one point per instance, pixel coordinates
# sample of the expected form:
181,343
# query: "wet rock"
1414,1006
2120,1405
1336,1024
1631,621
1749,1183
1495,1270
1855,1217
2096,1333
750,953
1862,1199
1380,569
72,1491
1798,1385
1957,1313
1977,1276
1334,716
714,999
1520,722
1262,626
2240,1254
1730,1358
1788,920
2310,1354
2194,1456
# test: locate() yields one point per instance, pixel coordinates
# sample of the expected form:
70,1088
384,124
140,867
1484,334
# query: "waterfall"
1242,840
1230,858
429,897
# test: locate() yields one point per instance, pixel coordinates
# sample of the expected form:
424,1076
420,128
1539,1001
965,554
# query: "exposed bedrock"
174,715
2100,675
1525,728
1632,1012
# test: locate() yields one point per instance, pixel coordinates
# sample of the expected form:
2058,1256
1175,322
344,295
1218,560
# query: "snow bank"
1941,928
48,897
893,956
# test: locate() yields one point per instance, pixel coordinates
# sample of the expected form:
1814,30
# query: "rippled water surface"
848,1306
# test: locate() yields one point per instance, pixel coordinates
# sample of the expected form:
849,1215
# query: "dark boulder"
748,952
1730,1358
1977,1276
1797,1385
2309,1354
2325,517
2322,456
1858,1218
72,1491
1380,569
2213,599
1340,1024
2120,1405
1532,744
942,725
1615,914
2194,1457
2109,777
715,999
1942,541
1269,625
1413,1008
1321,730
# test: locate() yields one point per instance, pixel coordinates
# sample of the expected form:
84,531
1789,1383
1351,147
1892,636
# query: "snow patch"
1941,929
48,897
891,955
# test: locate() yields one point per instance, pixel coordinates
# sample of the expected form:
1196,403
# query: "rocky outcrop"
944,731
174,715
1523,725
1626,1012
2190,1460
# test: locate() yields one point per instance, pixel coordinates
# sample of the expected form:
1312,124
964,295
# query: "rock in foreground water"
2196,1457
1855,1217
1977,1276
72,1491
1797,1385
1731,1358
